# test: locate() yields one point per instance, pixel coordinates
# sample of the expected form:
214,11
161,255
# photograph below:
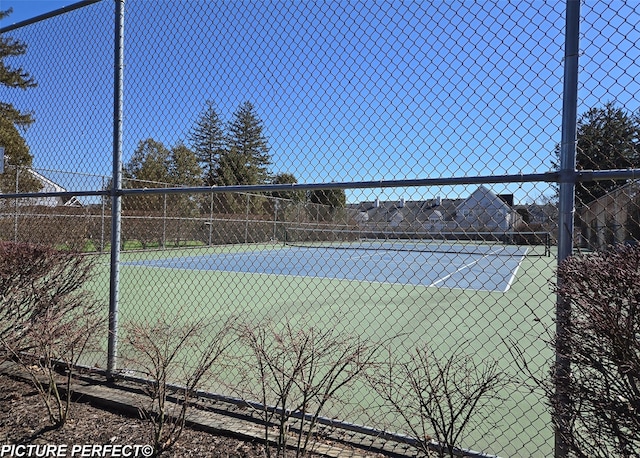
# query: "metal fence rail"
188,140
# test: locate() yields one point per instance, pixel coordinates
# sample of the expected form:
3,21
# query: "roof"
483,194
50,186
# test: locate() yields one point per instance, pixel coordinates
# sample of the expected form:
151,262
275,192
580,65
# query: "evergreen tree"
246,159
608,138
14,121
334,198
207,139
286,207
330,204
232,169
293,196
184,169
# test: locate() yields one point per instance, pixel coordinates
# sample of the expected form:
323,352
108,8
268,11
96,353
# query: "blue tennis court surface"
487,270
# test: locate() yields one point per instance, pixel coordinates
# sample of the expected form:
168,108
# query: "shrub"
603,290
171,349
437,399
47,320
296,374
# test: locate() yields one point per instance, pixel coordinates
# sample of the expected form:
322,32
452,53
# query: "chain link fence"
385,171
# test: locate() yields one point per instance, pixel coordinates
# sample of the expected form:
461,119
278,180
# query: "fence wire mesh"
322,100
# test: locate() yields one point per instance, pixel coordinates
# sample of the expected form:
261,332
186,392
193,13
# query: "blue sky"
27,9
347,90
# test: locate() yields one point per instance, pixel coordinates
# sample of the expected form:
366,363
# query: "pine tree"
184,169
293,196
12,120
207,140
232,169
608,138
334,198
246,159
330,204
286,206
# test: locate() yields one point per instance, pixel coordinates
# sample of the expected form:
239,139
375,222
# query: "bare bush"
168,351
603,290
437,399
295,374
47,320
51,226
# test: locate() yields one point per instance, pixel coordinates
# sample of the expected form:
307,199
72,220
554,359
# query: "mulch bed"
24,420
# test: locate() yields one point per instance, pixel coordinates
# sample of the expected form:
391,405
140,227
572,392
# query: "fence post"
102,218
275,220
566,207
246,225
164,220
211,220
116,198
16,206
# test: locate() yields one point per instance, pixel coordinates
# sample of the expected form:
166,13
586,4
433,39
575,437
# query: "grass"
485,322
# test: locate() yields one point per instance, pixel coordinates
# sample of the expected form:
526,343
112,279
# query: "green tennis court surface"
489,268
208,282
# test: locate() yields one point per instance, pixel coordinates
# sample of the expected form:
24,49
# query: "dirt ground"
23,420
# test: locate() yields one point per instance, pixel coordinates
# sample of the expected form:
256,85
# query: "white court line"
460,269
515,271
466,266
364,256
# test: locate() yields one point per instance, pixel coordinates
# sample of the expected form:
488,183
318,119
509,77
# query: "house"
610,219
481,211
46,201
485,211
544,215
405,216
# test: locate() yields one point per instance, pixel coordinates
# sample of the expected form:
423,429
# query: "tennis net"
478,243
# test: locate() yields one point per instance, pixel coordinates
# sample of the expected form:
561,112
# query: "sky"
347,91
28,9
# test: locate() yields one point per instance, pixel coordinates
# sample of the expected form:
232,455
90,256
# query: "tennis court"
487,268
312,286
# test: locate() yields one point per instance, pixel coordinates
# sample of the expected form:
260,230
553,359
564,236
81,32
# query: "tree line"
238,153
218,154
